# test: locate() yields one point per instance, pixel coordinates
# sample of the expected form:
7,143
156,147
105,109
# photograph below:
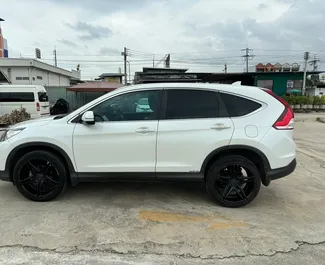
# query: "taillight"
286,119
38,106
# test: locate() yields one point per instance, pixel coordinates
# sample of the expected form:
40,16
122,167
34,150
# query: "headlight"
10,133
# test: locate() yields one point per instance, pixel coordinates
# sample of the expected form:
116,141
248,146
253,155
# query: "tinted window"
238,106
191,104
42,97
17,97
126,107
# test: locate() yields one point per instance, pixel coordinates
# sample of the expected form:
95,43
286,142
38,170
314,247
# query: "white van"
31,97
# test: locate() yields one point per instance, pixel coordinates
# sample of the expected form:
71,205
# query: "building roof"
166,70
111,75
284,73
95,86
26,62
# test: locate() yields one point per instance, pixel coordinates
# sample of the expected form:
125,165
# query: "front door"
123,138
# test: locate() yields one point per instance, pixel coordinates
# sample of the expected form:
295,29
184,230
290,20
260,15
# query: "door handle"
144,130
220,126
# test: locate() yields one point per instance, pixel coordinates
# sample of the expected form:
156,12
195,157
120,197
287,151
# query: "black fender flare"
49,146
266,164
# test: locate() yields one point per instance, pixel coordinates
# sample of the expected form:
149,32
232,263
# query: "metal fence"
75,99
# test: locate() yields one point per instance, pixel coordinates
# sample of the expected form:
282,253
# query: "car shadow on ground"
139,192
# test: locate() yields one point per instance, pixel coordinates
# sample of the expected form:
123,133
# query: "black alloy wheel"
233,181
40,176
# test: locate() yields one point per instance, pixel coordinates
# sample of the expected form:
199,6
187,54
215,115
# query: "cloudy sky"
201,35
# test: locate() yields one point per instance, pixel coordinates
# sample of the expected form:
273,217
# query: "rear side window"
17,97
42,97
191,104
238,106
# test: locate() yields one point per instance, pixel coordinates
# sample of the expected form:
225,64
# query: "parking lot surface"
141,223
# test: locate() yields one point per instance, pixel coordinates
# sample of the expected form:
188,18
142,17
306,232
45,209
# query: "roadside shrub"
310,100
316,100
303,100
322,100
286,98
16,116
292,100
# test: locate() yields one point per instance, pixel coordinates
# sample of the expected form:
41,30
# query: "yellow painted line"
222,225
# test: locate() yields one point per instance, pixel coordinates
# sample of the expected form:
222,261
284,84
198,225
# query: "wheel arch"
25,148
251,153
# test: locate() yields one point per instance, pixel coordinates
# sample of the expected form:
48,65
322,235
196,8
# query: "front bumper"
281,172
4,175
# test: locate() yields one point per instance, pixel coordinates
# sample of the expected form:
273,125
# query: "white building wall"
310,91
18,75
22,75
315,91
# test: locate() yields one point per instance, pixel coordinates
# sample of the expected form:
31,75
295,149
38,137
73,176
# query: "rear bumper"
281,172
4,175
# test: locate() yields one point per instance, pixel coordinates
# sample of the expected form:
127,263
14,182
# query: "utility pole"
167,61
247,56
314,63
124,53
225,68
55,58
129,71
306,57
153,61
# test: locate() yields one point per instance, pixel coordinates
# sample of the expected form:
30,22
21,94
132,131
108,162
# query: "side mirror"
88,117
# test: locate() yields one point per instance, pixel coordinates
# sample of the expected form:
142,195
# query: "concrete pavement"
139,223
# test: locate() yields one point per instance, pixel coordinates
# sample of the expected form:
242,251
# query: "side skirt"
139,176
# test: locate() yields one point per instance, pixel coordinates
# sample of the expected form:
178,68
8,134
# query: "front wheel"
40,176
233,181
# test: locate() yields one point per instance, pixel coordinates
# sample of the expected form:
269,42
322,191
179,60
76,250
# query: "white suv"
232,138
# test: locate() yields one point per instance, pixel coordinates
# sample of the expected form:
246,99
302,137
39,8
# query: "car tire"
40,176
233,181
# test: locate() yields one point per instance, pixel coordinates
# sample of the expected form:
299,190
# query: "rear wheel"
233,181
40,176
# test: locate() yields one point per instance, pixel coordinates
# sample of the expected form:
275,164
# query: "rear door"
192,127
43,100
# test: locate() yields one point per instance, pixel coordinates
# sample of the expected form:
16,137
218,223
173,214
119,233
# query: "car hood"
37,122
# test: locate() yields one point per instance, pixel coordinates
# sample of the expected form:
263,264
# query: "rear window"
238,106
17,97
42,97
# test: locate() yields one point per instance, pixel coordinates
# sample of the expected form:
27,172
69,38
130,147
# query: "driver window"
135,106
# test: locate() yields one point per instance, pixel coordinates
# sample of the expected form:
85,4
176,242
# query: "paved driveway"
127,223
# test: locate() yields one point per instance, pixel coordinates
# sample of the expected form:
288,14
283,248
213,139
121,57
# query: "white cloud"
212,30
